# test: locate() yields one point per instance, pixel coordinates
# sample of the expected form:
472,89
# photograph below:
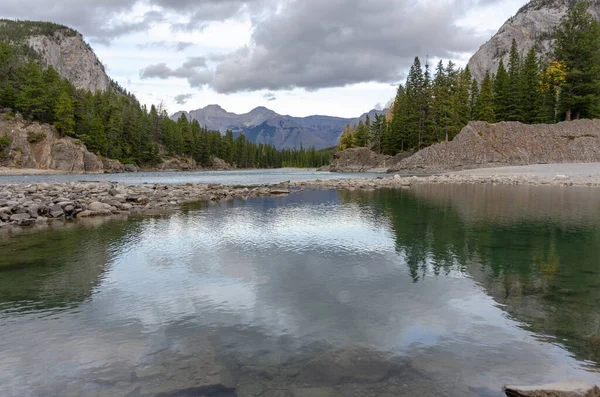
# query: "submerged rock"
352,364
561,389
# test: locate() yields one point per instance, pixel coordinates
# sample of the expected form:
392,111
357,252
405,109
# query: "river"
240,177
464,288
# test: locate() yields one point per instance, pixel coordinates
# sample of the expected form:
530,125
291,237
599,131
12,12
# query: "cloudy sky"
298,57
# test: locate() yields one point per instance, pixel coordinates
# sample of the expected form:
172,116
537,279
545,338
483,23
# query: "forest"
434,106
115,125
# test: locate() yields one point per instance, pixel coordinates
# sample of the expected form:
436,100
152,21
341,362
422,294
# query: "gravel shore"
31,204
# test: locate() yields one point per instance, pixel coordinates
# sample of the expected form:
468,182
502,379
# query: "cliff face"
40,147
533,25
60,47
72,59
481,144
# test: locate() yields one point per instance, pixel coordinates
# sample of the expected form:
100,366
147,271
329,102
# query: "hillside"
481,144
60,47
264,126
533,25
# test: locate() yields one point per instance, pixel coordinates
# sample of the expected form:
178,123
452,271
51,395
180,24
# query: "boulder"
280,192
19,217
561,389
356,363
96,206
56,211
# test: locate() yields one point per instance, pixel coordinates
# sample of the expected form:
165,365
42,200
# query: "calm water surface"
243,177
465,288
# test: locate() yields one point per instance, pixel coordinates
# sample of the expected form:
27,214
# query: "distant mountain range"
262,125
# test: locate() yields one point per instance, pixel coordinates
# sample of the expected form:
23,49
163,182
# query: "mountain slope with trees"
434,106
112,123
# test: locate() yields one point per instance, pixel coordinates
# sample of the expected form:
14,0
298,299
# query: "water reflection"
463,287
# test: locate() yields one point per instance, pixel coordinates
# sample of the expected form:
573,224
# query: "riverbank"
39,203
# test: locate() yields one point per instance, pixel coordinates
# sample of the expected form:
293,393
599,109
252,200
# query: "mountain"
532,25
60,47
262,125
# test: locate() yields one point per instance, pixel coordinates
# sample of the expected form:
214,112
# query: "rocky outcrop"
481,144
533,25
363,160
357,160
72,58
562,389
34,145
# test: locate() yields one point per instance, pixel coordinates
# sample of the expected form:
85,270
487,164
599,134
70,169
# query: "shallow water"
242,177
464,288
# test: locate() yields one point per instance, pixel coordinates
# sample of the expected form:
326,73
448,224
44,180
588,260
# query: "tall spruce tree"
577,46
530,101
501,94
64,114
514,89
485,100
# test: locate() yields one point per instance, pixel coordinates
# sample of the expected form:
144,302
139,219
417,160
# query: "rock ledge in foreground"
561,389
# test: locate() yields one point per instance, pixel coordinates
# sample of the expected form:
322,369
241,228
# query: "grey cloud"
193,70
176,46
269,96
183,98
314,44
96,19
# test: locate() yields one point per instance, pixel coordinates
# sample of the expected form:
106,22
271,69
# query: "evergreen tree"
30,99
530,101
473,98
514,89
577,46
485,100
64,114
501,94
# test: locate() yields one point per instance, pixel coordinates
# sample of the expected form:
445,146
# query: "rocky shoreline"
40,203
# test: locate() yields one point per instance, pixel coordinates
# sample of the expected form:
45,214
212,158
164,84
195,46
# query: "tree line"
113,124
434,106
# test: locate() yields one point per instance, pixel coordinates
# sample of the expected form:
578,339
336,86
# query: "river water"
464,288
241,177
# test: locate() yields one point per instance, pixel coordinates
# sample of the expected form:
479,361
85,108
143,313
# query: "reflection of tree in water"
540,265
59,267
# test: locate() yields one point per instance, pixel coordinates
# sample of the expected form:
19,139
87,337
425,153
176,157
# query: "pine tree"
485,100
530,97
501,93
514,89
360,137
30,99
64,114
473,98
347,138
577,46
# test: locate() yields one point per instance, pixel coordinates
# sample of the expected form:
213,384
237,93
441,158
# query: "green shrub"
33,137
9,116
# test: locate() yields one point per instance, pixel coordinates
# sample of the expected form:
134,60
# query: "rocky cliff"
533,25
481,144
60,47
39,146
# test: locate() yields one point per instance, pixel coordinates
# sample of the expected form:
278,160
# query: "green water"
466,288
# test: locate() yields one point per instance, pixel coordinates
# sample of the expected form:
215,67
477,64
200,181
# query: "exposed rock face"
73,59
562,389
363,160
353,364
533,25
39,146
262,125
481,144
358,160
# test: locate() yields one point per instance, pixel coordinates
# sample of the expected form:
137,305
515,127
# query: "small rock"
56,211
96,206
84,214
69,209
397,176
19,217
561,389
280,192
561,177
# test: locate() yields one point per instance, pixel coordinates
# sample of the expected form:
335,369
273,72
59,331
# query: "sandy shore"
541,171
6,171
